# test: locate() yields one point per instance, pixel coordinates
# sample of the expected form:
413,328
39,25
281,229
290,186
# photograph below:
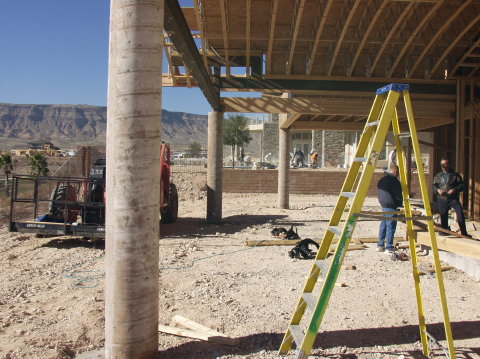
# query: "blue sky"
56,52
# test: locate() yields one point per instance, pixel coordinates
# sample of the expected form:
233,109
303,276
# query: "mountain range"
70,125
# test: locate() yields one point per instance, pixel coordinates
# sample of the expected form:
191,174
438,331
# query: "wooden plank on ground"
192,325
186,333
462,246
290,242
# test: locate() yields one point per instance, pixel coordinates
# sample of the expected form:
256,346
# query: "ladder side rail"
342,246
352,174
431,230
410,233
327,239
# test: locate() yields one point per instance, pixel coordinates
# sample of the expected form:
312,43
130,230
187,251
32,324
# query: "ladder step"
404,134
323,266
309,298
373,123
348,194
335,230
297,334
359,159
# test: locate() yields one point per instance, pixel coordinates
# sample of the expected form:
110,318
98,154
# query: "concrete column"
133,179
215,166
283,168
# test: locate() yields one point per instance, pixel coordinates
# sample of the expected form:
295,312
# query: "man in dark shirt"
447,185
390,198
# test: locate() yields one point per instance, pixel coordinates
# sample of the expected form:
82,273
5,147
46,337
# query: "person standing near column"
390,198
447,185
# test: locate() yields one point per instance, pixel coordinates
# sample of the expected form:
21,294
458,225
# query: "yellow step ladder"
382,114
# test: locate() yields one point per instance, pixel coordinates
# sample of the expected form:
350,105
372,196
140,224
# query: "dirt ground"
52,299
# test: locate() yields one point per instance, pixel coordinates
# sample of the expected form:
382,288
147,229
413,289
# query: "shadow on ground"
352,339
199,227
74,242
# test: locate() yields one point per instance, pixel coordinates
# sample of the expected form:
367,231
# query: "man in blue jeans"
390,198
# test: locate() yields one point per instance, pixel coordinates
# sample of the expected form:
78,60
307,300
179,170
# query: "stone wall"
334,148
270,140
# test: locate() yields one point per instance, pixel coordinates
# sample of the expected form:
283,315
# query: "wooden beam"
330,106
297,18
271,35
464,57
342,35
329,118
412,36
439,32
470,75
208,337
247,35
465,247
370,27
318,35
203,39
453,44
169,61
402,18
477,172
291,118
223,12
344,118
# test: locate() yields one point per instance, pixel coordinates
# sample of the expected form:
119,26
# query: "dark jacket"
454,181
389,191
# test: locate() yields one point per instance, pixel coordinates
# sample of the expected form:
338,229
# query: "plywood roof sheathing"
271,34
370,27
408,11
297,18
452,44
225,35
342,35
440,31
412,36
318,34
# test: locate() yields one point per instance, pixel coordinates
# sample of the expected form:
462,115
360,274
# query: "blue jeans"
387,230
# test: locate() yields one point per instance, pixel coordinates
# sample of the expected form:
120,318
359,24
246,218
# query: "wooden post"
471,155
460,133
477,172
133,179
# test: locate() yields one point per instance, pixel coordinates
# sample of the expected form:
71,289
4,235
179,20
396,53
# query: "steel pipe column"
283,168
215,166
133,179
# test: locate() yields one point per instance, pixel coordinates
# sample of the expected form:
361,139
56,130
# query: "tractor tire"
62,193
170,213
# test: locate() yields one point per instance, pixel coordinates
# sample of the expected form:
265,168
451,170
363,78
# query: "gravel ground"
210,276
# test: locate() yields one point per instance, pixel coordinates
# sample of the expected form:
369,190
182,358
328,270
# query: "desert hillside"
67,125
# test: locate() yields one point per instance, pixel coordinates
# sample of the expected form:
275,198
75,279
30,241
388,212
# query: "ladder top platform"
393,87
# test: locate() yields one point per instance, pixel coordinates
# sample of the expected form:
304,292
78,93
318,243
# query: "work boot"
463,229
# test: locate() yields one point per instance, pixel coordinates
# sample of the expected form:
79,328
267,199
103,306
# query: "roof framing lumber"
318,34
176,27
290,119
419,28
331,106
297,18
467,54
271,35
342,35
223,12
370,27
247,35
440,31
401,19
452,44
203,39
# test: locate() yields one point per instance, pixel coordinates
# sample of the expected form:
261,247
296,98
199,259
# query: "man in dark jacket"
390,198
447,185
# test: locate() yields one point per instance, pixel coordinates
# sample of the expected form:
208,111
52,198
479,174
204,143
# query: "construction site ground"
52,289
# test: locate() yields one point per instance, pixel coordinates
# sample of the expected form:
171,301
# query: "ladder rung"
348,194
297,334
359,159
404,134
335,230
322,265
373,123
309,298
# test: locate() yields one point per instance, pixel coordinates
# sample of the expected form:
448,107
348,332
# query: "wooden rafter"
414,34
370,27
223,12
464,57
344,118
440,31
453,43
318,35
271,35
169,61
403,17
203,39
297,18
247,35
187,73
342,35
329,118
473,71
